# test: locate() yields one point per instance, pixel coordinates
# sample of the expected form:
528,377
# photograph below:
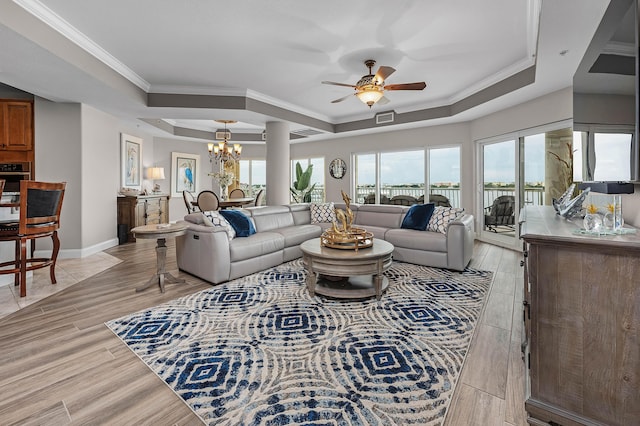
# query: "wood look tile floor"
59,364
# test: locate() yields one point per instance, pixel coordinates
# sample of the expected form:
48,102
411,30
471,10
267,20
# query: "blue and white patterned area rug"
260,351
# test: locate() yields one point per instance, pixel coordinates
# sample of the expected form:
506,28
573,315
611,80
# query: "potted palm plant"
301,189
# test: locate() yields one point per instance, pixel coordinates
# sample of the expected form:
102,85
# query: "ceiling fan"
369,89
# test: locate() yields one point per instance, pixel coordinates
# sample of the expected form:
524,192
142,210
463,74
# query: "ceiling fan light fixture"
369,95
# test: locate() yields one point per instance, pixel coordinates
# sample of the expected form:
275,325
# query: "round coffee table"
160,233
347,273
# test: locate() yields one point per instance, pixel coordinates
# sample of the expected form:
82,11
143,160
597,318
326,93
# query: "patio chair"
439,200
403,200
500,213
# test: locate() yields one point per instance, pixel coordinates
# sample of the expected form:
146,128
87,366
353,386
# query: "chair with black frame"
208,200
259,198
500,214
237,193
40,206
189,201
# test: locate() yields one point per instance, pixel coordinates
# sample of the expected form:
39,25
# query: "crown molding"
53,20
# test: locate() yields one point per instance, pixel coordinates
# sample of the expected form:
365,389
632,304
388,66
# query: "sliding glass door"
499,190
527,168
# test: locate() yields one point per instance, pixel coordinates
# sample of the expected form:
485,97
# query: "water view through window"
399,177
253,176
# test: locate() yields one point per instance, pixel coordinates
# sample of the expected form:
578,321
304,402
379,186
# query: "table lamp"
155,173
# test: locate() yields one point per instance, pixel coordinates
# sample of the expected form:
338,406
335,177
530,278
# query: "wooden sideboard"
142,210
582,323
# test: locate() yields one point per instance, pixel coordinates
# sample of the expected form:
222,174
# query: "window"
530,167
390,177
317,176
253,176
365,175
444,173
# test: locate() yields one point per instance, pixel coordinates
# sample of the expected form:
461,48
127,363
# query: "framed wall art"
184,173
130,161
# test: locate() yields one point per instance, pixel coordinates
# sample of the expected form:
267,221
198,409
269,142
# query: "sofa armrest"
460,239
203,251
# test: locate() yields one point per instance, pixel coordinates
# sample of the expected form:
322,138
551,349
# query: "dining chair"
189,201
207,201
259,198
237,193
39,217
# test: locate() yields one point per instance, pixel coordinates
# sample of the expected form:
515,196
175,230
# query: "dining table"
232,202
236,202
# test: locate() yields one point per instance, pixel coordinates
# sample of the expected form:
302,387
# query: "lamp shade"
369,96
154,173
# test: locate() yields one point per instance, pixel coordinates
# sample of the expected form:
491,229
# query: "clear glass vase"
592,222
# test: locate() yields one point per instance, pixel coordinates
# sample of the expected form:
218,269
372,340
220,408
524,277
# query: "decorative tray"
354,239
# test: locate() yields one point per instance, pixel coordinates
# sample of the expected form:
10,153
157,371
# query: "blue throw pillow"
240,222
418,217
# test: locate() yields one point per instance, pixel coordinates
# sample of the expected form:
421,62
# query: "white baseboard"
80,253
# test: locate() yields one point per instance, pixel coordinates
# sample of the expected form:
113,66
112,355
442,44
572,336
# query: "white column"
278,163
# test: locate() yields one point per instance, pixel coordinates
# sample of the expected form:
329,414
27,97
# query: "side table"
160,233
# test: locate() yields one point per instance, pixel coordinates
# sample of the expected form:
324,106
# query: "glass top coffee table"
347,274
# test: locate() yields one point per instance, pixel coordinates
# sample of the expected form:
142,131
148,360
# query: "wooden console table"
142,210
582,323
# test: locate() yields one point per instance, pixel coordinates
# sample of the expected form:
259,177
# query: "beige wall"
58,158
98,155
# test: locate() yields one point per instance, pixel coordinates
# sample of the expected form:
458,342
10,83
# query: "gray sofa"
206,252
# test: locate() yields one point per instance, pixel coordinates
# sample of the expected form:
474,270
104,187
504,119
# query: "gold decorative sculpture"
346,236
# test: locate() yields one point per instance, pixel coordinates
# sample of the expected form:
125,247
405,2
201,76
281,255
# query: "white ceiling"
279,51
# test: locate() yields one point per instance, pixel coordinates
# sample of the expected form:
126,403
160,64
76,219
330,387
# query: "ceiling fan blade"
344,98
338,84
382,101
383,73
406,86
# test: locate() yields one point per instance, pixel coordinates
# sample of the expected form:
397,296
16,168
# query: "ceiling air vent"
307,132
385,117
223,135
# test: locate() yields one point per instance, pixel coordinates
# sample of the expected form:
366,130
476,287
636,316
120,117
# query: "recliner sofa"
207,252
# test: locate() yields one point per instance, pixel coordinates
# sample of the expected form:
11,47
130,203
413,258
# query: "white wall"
100,170
80,145
58,158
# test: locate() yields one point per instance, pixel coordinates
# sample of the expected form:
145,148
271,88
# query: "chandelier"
224,151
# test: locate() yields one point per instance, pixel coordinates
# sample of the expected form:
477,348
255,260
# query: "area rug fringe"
260,350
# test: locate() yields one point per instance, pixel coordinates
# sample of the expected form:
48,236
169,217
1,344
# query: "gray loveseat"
206,251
